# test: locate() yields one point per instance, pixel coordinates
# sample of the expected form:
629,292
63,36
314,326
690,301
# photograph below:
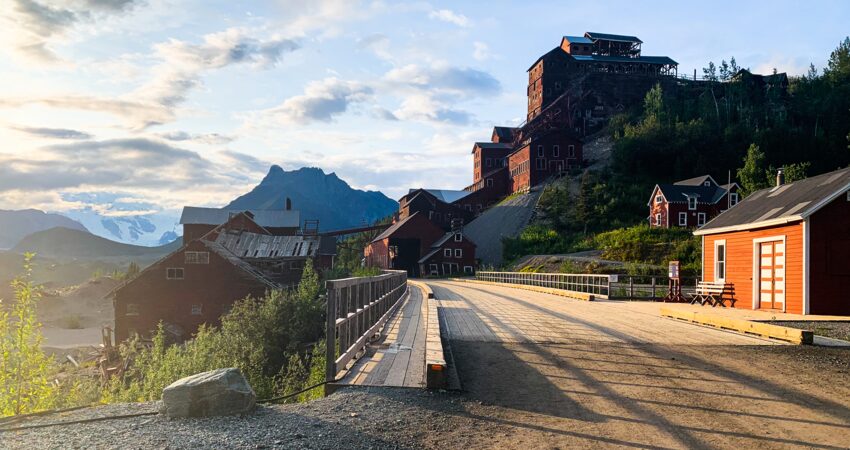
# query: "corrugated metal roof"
267,218
793,201
612,37
249,245
241,264
578,40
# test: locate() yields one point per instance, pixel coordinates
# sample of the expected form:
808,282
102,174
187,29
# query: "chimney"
288,204
780,177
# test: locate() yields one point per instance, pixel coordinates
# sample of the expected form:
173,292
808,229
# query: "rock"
218,392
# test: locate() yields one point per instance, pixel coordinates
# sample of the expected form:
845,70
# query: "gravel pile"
353,418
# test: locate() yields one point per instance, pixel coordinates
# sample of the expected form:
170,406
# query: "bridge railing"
357,308
587,283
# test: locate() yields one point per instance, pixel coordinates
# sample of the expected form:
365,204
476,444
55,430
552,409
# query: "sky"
164,103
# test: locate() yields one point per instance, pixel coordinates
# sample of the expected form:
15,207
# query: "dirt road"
560,373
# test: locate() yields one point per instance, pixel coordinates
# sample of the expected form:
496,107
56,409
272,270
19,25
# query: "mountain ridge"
17,224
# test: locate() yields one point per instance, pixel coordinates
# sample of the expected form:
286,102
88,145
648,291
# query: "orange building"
785,248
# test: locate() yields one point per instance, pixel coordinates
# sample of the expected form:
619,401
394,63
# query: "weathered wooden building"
402,245
199,282
690,203
785,248
452,254
198,221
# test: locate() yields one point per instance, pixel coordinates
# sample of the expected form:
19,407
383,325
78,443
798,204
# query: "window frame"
683,215
571,150
458,237
541,163
447,253
556,151
433,269
733,198
659,199
458,253
168,275
658,219
701,217
197,257
131,309
541,151
197,309
717,262
694,207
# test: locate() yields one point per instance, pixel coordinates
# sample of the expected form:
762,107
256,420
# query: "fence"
615,287
356,309
590,284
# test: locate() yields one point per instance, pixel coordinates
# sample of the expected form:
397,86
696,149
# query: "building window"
692,203
658,219
659,199
683,219
489,182
540,151
132,309
556,151
447,253
174,273
719,261
733,199
706,183
571,150
541,163
433,269
196,309
700,219
458,252
467,270
488,162
458,237
197,257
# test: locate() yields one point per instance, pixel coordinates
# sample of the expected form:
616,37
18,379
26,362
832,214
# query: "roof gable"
781,204
268,218
612,37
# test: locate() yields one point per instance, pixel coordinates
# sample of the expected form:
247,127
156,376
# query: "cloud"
32,25
442,77
447,15
204,138
481,51
54,133
321,101
427,108
135,114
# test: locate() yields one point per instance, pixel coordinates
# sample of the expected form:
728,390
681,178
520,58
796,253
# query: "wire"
284,397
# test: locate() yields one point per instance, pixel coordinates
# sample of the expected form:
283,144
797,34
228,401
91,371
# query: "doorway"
771,275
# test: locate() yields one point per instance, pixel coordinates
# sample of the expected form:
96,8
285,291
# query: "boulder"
218,392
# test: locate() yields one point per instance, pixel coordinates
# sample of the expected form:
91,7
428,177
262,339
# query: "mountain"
14,225
76,244
121,217
317,196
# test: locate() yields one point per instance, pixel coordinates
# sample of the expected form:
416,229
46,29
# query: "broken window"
174,273
197,257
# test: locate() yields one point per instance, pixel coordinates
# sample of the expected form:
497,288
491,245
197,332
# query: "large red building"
199,282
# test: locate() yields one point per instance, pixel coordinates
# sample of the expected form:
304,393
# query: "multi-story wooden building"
402,245
452,254
199,221
199,282
690,203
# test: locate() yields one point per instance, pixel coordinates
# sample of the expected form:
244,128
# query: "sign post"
674,284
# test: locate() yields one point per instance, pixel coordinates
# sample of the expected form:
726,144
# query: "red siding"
829,269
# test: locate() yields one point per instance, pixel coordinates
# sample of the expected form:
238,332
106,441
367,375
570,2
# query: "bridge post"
330,338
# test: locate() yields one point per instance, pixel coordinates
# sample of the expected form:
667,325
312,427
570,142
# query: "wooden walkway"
398,358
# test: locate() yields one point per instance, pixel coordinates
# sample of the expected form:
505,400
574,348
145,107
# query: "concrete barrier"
787,334
436,376
560,292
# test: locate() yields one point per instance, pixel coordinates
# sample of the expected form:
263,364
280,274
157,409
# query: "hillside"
67,243
14,225
318,196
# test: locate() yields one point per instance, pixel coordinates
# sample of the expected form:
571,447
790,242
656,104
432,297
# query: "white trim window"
433,269
659,199
458,236
540,151
197,309
174,273
658,219
700,219
447,252
720,261
468,270
488,162
458,253
489,182
692,203
132,309
733,198
197,257
571,151
683,219
556,151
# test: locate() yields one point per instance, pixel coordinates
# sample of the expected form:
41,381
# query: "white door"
772,275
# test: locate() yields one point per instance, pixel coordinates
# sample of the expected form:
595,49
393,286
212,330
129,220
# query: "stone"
219,392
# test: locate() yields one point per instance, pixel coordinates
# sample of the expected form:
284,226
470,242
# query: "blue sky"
161,103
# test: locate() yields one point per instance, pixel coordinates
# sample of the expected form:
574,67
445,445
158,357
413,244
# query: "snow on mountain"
113,217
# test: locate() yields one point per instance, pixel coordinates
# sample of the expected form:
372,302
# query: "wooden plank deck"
398,358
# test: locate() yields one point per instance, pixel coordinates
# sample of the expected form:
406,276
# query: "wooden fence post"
330,336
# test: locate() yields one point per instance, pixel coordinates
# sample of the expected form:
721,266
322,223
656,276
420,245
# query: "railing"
357,308
590,284
613,287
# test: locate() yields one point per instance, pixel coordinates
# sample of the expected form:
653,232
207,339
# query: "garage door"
772,275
